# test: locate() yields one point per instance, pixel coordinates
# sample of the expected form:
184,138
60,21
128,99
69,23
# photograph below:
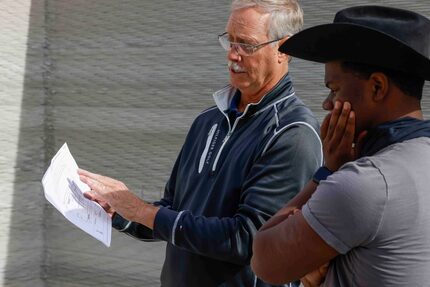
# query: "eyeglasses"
242,49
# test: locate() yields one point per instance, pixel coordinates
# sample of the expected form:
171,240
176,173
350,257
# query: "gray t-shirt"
376,212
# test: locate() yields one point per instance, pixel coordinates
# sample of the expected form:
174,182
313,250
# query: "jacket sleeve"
276,176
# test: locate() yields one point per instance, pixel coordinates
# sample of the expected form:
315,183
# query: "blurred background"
120,82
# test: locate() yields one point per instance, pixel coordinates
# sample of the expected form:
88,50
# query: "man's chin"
239,78
239,84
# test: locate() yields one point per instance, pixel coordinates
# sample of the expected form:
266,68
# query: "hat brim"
355,43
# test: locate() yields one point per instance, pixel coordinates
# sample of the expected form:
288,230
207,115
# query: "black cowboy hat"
381,36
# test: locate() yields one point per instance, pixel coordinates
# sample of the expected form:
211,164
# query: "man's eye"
247,48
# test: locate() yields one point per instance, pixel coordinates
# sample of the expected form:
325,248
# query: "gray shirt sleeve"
346,209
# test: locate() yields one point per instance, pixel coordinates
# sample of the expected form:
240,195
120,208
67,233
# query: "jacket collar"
224,96
393,132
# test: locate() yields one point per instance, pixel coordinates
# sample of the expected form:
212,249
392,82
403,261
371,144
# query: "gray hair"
286,16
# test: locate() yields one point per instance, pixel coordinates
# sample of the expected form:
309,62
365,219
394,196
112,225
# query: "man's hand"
93,196
337,134
113,195
316,277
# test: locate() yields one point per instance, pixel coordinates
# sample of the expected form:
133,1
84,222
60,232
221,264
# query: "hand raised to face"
337,135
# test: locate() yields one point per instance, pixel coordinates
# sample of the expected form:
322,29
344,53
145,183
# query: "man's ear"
281,56
380,85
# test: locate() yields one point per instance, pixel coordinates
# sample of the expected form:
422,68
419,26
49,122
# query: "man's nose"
328,104
233,54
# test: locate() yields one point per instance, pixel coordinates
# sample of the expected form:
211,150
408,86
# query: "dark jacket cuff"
165,224
119,222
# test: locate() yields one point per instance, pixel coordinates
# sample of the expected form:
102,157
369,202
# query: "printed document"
64,190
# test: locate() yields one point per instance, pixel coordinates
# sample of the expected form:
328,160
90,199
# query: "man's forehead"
247,22
330,71
334,72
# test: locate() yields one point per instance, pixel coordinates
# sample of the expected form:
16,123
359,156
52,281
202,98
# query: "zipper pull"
226,137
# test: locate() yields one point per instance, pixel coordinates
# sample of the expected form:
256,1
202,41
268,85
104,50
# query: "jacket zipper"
227,137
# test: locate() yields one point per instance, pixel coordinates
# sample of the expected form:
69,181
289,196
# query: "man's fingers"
95,185
348,135
105,180
93,196
333,119
86,173
104,204
89,195
342,122
324,126
337,145
91,175
85,179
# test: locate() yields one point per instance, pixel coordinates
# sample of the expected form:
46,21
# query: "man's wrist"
146,215
321,174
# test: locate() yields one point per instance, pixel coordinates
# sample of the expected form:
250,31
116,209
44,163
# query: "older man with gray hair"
241,161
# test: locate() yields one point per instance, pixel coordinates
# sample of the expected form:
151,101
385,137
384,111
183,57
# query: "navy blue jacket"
228,179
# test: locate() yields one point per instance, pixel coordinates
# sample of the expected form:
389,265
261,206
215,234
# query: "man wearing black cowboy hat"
366,210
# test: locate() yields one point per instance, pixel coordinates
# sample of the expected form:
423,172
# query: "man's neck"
253,97
247,99
397,105
418,114
400,111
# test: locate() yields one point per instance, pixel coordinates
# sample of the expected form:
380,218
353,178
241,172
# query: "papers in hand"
64,190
